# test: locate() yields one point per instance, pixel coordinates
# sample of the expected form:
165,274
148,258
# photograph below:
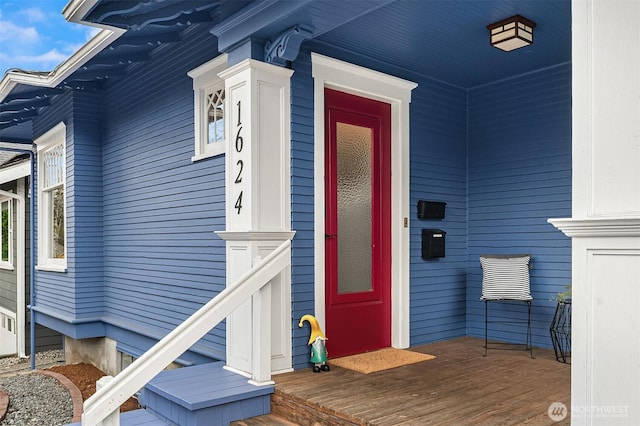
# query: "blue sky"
35,36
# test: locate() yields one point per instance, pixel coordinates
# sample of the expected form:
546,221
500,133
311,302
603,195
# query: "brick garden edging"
76,395
4,404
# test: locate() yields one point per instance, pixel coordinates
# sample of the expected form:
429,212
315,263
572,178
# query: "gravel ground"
34,399
10,366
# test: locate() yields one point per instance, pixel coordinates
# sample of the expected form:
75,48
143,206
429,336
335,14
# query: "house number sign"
239,146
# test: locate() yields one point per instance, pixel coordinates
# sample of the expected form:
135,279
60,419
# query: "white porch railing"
108,399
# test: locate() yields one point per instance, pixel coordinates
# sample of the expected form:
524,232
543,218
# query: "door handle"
330,235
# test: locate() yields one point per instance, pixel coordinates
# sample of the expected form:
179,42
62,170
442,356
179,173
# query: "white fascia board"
17,146
76,9
72,12
11,173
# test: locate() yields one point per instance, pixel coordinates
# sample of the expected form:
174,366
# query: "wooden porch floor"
459,387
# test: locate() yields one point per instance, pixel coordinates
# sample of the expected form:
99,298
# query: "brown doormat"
383,359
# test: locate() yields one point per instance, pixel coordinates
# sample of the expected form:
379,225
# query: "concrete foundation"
100,351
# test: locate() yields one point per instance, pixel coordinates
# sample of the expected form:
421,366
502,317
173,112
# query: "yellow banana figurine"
316,340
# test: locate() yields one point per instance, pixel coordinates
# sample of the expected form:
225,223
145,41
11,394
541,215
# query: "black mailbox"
431,209
433,243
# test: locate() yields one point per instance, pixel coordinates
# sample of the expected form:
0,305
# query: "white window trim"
8,264
205,79
55,135
8,315
346,77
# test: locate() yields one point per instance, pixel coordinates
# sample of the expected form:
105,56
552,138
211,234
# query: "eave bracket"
287,45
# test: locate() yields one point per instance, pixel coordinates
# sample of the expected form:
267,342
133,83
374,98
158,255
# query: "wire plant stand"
561,331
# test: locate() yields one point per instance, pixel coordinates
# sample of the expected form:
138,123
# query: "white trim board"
19,267
346,77
15,171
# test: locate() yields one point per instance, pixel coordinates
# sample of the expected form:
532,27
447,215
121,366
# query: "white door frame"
331,73
20,253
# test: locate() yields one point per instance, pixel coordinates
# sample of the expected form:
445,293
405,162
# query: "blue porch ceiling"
449,41
446,40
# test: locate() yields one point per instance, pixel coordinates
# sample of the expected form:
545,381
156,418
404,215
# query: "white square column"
258,211
605,222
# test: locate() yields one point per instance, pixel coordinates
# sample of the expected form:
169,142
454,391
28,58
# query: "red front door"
357,223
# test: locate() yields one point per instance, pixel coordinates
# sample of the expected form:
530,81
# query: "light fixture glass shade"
511,33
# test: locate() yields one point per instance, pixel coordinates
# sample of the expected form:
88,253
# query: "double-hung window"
51,200
6,233
209,108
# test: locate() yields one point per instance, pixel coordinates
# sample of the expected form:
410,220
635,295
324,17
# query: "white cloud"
17,35
52,56
34,14
40,62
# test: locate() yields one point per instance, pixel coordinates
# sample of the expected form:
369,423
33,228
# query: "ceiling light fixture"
511,33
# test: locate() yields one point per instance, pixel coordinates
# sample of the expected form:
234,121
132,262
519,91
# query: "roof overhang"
74,12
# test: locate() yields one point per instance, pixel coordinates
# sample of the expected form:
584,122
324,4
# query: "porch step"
135,418
205,394
140,418
307,413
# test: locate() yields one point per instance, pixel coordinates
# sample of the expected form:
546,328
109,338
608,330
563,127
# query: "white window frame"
206,81
8,320
51,139
7,264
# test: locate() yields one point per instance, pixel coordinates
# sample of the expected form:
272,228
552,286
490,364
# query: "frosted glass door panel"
354,208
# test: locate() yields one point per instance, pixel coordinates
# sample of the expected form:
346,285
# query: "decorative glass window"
215,115
6,234
209,108
51,200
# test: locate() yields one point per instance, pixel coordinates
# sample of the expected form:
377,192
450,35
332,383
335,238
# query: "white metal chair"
505,277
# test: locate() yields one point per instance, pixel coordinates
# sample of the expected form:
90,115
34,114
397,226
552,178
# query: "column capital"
252,64
256,235
598,227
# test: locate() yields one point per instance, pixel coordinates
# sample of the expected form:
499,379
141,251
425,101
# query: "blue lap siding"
438,173
142,252
302,203
519,176
162,258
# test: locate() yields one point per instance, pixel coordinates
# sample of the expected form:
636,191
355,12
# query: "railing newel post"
112,419
261,330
